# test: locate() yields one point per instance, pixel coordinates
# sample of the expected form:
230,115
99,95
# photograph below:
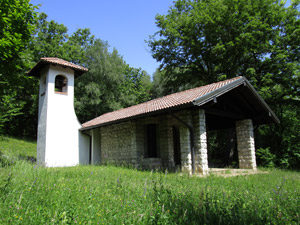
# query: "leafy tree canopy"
213,40
51,39
16,26
110,83
16,23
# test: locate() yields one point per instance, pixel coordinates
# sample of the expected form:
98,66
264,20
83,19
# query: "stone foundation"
151,163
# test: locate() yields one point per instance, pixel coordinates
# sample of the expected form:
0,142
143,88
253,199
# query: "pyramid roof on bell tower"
35,71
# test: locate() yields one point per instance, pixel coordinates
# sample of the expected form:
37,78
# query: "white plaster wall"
60,143
84,148
42,117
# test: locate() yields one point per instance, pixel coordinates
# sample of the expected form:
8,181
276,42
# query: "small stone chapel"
168,132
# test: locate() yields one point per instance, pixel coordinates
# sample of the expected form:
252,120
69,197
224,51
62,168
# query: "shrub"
4,161
265,158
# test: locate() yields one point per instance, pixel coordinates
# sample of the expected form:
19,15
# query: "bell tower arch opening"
61,84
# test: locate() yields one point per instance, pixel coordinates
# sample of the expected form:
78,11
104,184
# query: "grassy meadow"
30,194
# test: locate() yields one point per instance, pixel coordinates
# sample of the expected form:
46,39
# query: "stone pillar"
199,124
245,144
185,142
185,147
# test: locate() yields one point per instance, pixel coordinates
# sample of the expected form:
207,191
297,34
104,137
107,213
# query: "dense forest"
198,42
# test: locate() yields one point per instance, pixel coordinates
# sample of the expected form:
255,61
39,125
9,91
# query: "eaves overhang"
153,113
226,88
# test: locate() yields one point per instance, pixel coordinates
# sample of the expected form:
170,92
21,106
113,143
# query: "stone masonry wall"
245,144
118,143
140,140
165,125
166,142
125,143
151,163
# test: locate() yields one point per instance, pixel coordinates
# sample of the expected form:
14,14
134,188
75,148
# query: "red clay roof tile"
62,62
156,105
56,61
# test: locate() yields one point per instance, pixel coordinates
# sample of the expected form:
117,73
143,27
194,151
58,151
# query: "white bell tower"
59,143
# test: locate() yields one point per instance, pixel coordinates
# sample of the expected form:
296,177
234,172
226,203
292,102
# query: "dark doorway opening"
151,151
176,144
222,149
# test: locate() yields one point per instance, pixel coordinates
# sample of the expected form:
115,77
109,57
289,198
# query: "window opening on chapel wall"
151,141
61,84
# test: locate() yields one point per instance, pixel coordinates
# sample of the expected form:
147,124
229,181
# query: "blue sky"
124,24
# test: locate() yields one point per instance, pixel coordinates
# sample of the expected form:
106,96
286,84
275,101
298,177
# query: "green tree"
110,83
136,87
97,91
165,83
16,23
51,39
204,41
16,26
214,40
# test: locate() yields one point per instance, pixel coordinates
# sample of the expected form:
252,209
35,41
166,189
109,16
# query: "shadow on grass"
30,159
4,162
7,161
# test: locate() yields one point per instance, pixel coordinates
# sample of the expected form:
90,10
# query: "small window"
151,141
61,84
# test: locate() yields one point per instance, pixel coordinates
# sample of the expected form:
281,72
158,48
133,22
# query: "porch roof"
200,96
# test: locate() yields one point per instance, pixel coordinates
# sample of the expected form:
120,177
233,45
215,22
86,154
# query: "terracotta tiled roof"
62,62
56,61
157,105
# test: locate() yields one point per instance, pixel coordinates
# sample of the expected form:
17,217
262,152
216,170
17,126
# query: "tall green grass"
15,149
113,195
